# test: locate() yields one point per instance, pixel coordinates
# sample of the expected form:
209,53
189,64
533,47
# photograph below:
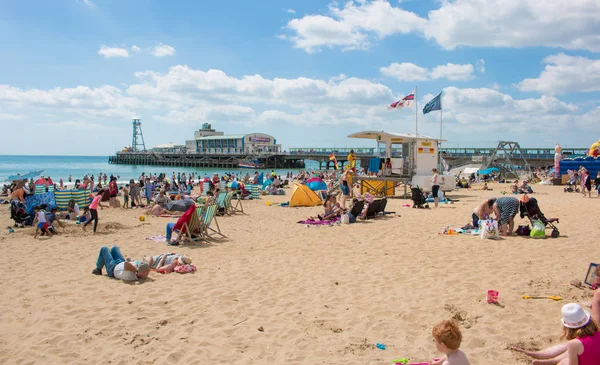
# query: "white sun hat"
574,316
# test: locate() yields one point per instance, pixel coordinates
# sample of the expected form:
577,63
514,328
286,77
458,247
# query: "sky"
73,73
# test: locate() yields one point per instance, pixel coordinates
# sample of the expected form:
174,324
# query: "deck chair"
221,201
192,228
238,207
374,208
183,223
227,203
357,208
208,218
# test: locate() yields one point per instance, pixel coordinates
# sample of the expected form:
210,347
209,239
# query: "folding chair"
227,203
207,219
238,204
192,228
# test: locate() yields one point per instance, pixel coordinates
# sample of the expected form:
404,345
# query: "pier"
294,158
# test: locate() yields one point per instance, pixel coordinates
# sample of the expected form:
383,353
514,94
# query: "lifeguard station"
403,159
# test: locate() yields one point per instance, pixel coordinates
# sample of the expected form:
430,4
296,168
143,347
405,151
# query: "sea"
57,167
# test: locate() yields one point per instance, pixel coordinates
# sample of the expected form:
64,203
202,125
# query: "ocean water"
58,167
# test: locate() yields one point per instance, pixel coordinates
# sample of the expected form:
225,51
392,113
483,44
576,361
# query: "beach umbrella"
316,183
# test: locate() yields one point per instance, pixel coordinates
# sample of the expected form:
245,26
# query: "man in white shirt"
118,267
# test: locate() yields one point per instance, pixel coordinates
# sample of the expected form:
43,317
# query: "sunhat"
574,316
184,260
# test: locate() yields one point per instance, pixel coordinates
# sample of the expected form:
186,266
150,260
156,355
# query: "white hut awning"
390,136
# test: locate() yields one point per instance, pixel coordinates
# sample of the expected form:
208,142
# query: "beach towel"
159,238
320,223
39,199
184,269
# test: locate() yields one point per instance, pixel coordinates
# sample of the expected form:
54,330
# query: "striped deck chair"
227,203
193,228
221,201
208,218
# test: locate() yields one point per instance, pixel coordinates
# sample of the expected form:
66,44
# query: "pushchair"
531,210
418,198
18,213
571,186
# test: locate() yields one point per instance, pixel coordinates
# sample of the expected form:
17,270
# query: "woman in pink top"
94,209
583,334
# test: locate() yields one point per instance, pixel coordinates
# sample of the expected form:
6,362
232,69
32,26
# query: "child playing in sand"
447,338
42,224
583,347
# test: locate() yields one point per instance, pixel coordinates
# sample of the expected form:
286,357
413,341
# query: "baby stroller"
531,210
571,185
18,213
418,198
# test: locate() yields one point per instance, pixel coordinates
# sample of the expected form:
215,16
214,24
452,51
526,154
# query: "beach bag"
488,229
523,231
538,230
345,219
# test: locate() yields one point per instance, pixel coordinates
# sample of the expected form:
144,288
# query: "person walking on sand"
94,209
435,186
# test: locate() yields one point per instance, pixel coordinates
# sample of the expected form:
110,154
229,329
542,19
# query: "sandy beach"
322,295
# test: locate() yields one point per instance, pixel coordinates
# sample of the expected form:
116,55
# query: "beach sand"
322,295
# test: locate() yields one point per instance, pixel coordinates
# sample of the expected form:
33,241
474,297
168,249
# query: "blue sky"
74,72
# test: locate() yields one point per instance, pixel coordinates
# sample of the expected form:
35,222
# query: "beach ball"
142,218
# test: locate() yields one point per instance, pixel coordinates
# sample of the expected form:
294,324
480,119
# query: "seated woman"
160,204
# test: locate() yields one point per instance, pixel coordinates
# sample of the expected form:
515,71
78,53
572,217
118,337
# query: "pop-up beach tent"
302,196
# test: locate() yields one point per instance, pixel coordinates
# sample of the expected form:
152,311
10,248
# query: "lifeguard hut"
406,159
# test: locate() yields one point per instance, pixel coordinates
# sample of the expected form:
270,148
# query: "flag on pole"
405,101
332,158
434,104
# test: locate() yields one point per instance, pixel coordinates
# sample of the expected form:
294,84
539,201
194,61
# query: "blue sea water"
58,167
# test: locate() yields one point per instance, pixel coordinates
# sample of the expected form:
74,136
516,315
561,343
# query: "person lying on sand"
583,335
447,339
118,267
166,263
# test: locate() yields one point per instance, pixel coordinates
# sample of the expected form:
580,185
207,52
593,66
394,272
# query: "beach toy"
78,222
10,230
492,297
142,218
268,204
402,361
380,346
553,297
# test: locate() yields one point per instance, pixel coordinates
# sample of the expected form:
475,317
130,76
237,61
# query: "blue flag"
434,104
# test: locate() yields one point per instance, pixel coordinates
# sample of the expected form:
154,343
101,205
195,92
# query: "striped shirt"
508,207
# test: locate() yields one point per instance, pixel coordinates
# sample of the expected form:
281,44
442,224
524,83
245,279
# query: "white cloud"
407,71
77,124
352,26
8,116
109,52
480,65
291,11
475,23
516,23
190,96
135,48
163,50
88,3
564,74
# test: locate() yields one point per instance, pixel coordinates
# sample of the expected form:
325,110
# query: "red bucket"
492,296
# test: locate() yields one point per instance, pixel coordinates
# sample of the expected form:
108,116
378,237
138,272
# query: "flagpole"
416,113
440,146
